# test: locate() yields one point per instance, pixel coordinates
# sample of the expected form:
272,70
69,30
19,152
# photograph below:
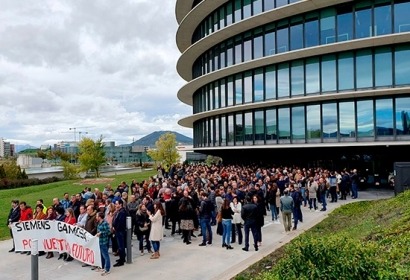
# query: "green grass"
49,191
362,240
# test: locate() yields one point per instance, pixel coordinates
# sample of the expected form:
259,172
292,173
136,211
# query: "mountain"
19,148
150,139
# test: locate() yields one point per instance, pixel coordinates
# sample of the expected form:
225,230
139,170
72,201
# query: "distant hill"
20,148
150,139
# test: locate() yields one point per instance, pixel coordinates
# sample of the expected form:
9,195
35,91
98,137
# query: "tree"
210,160
165,150
91,155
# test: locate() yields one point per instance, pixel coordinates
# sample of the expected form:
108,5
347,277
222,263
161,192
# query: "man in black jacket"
14,217
249,215
119,226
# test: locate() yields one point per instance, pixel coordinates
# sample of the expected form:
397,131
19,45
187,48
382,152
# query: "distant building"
6,149
26,161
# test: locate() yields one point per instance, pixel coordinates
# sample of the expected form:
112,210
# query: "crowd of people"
235,199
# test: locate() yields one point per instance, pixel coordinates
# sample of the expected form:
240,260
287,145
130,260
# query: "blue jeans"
273,211
354,190
206,226
155,245
227,228
105,258
323,199
252,227
121,244
303,192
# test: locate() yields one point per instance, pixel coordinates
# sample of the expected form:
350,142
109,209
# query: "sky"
97,68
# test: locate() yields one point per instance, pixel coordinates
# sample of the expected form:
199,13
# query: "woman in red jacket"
69,219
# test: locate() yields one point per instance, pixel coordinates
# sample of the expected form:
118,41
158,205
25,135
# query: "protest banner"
56,236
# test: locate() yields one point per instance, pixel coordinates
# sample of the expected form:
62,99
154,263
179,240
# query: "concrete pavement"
177,261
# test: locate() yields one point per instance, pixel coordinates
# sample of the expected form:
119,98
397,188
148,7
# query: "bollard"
129,245
34,259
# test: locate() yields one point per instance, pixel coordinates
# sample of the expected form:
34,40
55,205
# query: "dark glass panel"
384,117
312,32
270,82
284,123
403,116
383,67
271,124
258,85
298,123
259,126
297,78
283,80
248,94
239,131
313,122
248,128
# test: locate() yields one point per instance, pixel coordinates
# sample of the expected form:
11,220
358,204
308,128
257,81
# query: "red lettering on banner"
54,244
26,243
83,254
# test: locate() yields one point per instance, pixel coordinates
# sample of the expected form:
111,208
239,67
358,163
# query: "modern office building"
310,81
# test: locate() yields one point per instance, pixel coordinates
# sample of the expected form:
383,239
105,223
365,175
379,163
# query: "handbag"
219,217
145,228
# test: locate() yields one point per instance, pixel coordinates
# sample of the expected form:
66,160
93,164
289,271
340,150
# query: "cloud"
104,65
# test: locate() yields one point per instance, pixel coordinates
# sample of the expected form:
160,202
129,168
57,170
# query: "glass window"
345,24
217,98
284,123
248,128
223,93
247,8
259,126
257,6
231,131
401,17
229,13
248,87
296,36
364,70
230,92
382,20
247,49
328,73
270,43
211,132
283,80
311,31
298,123
327,26
238,10
347,122
222,56
216,58
229,53
297,76
363,23
365,120
258,85
402,65
345,71
280,3
238,50
283,40
238,129
222,17
223,131
269,5
329,120
270,81
271,124
257,47
212,97
312,75
238,89
217,132
313,122
384,117
403,116
216,21
383,67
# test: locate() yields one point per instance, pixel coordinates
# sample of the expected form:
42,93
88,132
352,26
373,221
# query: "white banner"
56,236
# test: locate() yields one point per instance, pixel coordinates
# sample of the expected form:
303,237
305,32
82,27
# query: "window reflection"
403,116
402,65
365,122
259,127
401,17
313,122
312,31
258,86
231,131
363,22
283,80
248,128
282,40
312,75
297,76
271,124
327,26
238,89
298,123
384,117
364,73
347,120
345,24
383,67
270,83
296,36
328,73
238,129
382,20
329,120
284,123
345,71
217,132
248,87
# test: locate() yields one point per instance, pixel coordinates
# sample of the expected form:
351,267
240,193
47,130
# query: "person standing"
103,232
143,225
286,207
226,212
119,228
236,207
205,215
354,179
26,214
186,214
312,189
322,191
157,231
14,217
249,215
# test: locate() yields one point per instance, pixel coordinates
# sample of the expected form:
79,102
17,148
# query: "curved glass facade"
328,74
234,11
343,121
355,20
355,95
